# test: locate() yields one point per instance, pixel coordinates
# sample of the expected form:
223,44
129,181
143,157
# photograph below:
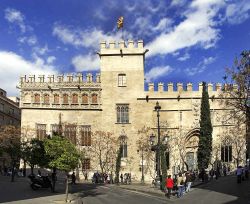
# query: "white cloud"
41,50
185,57
51,59
12,66
15,16
156,72
198,28
238,12
85,38
86,62
200,67
31,40
163,24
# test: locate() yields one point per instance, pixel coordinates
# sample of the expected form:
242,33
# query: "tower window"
41,131
85,99
46,99
85,133
56,99
94,98
122,113
37,98
122,80
75,98
124,146
65,99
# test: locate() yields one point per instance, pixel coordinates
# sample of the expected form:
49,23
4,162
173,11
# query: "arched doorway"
192,142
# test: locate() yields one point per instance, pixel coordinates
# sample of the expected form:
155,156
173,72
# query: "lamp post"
142,164
158,170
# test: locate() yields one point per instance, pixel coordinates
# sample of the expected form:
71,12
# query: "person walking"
73,178
238,173
180,185
121,177
188,181
169,185
53,178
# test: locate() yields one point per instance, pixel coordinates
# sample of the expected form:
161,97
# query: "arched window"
75,98
85,99
123,145
56,99
46,98
226,150
94,98
37,98
122,111
65,99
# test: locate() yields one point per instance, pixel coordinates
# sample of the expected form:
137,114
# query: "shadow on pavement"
20,190
228,186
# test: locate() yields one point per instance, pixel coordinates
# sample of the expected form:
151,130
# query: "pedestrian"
225,170
211,173
73,178
246,172
169,185
39,174
121,177
180,185
238,173
188,182
216,174
53,178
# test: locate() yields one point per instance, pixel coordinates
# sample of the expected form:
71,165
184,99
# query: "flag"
120,22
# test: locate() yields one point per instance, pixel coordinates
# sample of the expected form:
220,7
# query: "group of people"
126,178
7,171
180,184
102,178
242,173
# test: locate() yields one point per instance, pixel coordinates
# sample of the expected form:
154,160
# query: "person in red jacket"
169,185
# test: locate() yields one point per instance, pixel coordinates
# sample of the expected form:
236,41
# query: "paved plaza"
222,191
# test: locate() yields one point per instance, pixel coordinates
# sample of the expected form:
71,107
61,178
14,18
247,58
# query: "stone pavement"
149,189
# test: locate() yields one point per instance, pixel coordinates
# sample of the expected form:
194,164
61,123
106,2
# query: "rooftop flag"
120,22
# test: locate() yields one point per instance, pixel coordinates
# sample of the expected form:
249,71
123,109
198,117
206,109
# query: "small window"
85,164
70,133
226,153
122,80
46,98
85,99
65,99
11,111
124,146
56,99
1,106
75,98
41,131
37,98
85,132
122,113
94,98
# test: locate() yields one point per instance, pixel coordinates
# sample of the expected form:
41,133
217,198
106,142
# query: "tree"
236,93
33,153
11,144
118,165
63,155
206,129
144,149
104,150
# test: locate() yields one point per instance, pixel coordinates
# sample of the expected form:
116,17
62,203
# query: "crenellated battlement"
69,80
179,87
79,78
130,44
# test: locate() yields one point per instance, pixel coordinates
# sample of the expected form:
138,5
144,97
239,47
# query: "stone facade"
115,101
10,114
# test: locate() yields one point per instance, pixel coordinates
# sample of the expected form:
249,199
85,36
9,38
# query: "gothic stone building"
116,101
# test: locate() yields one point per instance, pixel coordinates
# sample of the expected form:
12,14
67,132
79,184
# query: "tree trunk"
13,172
32,169
67,187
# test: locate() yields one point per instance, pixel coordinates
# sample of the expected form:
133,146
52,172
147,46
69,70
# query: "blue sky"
188,41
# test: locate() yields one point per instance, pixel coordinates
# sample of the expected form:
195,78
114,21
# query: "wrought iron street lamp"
158,170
